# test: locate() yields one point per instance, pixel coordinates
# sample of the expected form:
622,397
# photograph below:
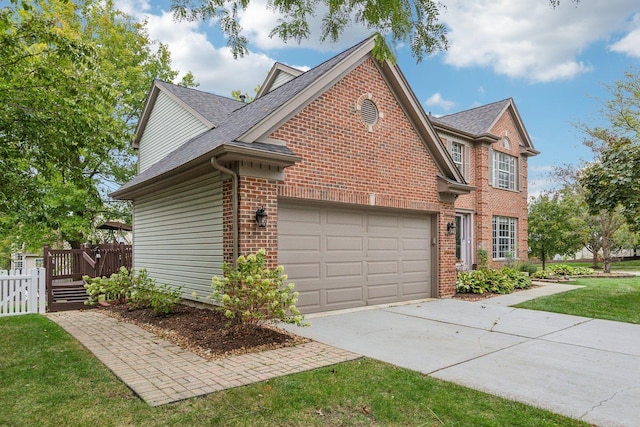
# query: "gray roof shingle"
475,121
214,108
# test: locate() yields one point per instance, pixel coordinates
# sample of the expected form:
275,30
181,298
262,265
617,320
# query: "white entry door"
464,253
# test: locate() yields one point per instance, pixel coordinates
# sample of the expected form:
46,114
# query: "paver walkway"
160,372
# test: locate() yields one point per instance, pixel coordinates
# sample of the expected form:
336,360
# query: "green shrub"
162,299
138,289
483,259
251,293
527,267
563,270
502,281
115,288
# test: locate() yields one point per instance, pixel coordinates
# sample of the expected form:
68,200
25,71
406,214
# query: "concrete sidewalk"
161,372
583,368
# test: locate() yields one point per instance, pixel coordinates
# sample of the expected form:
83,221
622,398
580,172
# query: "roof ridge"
475,108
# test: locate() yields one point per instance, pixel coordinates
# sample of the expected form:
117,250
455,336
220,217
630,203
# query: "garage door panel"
416,266
303,271
353,256
421,243
415,289
300,214
344,218
345,296
388,290
309,299
339,270
344,243
302,243
382,244
382,268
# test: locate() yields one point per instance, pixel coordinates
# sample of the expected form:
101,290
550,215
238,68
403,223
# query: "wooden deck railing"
66,267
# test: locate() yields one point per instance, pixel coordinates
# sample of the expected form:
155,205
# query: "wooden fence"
66,267
22,292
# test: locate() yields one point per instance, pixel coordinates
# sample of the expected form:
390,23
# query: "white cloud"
258,20
436,100
630,44
529,39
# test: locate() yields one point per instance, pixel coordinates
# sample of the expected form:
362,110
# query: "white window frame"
504,237
504,171
457,153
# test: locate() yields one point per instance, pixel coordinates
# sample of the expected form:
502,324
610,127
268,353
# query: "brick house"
490,145
359,188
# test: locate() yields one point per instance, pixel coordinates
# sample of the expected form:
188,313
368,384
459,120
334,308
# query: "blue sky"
555,63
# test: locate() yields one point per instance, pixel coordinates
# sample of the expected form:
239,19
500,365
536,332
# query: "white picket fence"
22,292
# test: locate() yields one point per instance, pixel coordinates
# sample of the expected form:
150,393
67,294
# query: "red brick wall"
505,202
342,161
256,193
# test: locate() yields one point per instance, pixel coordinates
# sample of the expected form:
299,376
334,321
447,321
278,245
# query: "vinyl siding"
178,234
169,126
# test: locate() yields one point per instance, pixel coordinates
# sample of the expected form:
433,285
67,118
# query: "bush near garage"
502,281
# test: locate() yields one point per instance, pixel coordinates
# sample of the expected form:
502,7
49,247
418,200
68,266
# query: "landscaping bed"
204,331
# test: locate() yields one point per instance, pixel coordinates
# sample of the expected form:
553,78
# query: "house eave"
224,153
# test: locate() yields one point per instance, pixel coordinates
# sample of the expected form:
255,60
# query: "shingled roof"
239,130
477,120
214,108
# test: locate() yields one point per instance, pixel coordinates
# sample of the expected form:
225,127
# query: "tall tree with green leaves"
554,227
73,79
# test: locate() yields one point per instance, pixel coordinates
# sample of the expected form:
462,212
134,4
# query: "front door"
464,257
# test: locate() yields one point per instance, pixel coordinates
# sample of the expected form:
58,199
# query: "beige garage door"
340,258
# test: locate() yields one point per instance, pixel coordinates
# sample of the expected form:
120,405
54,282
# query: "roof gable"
210,109
479,121
278,75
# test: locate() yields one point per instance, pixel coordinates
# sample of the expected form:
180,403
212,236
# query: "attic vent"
369,112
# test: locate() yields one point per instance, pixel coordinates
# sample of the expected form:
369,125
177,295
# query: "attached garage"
341,257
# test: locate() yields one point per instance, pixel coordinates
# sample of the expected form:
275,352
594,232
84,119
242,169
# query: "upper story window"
504,171
460,155
457,152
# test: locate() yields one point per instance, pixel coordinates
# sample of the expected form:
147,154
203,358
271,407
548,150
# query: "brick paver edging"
160,372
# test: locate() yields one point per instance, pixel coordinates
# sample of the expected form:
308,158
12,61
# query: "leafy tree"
73,79
399,21
554,227
614,181
237,94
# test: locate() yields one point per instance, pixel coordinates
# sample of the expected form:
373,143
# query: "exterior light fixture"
451,228
261,217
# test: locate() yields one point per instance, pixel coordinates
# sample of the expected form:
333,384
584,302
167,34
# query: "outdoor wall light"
261,217
451,228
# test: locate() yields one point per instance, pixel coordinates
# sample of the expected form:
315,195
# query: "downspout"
234,201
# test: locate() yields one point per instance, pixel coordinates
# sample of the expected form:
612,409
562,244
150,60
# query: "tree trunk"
594,262
543,258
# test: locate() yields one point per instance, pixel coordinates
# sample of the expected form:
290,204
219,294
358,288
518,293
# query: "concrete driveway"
580,367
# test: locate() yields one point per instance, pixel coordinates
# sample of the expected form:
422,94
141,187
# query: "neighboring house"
358,187
25,261
490,146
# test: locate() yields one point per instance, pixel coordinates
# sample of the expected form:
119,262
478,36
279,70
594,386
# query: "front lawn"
601,298
48,379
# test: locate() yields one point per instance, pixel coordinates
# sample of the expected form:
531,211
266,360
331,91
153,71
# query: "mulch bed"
205,331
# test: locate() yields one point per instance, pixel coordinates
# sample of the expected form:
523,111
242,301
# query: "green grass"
601,298
48,379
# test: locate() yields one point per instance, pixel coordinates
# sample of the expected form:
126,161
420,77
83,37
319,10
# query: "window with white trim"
457,153
504,171
18,263
504,237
